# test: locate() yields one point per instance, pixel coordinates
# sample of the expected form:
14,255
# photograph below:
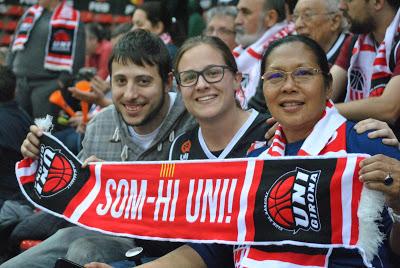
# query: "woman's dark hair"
214,42
142,47
319,54
157,12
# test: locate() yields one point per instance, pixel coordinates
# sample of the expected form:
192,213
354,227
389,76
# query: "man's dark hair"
319,54
7,84
141,47
278,6
394,3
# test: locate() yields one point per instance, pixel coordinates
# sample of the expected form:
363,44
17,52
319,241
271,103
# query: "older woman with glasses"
297,87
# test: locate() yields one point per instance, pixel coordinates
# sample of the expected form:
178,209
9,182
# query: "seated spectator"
98,49
15,126
221,23
323,22
154,17
119,31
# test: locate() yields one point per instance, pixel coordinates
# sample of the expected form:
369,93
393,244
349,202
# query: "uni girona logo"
291,203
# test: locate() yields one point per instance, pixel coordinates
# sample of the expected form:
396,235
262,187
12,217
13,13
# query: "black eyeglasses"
212,74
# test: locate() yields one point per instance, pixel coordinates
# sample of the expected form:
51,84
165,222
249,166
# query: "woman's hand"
375,172
380,130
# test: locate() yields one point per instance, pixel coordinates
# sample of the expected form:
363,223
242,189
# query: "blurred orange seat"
5,40
10,25
86,16
15,10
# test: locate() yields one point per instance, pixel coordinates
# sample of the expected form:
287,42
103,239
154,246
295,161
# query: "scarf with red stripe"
60,48
327,138
369,70
233,201
248,60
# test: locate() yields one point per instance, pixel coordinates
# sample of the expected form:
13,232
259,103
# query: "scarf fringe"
369,213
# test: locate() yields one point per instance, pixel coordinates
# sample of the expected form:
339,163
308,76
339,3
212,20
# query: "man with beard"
257,24
140,126
370,65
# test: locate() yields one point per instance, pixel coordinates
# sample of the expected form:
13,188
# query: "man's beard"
246,40
153,113
361,27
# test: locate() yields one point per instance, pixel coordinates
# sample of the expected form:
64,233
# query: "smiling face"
139,95
205,100
296,106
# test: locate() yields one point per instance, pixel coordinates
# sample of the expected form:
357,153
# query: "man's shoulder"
105,119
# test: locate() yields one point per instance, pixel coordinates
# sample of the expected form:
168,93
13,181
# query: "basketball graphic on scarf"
279,202
59,175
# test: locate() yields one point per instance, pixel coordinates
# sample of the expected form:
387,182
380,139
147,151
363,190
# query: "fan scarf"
248,60
232,201
323,140
364,81
60,48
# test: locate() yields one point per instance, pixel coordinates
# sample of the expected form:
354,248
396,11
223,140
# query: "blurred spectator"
15,125
221,23
3,55
367,70
323,22
257,24
98,49
42,56
118,31
154,17
196,23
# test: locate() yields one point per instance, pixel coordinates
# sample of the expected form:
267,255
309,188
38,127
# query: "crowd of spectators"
247,70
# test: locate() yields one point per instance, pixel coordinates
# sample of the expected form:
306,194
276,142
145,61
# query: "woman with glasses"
207,77
297,87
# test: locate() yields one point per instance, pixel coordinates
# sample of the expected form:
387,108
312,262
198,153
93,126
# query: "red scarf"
61,43
369,70
327,138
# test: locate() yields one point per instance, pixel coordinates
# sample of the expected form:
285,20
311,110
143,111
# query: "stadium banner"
317,202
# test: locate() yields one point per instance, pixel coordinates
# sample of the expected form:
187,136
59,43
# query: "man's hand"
30,146
91,159
271,132
381,130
